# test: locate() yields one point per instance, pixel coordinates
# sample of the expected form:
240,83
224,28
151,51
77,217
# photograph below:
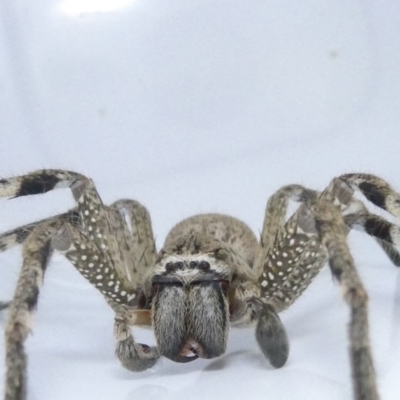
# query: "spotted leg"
101,245
116,268
290,250
281,248
90,244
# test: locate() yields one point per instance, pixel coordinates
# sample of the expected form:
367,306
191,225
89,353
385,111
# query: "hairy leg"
36,253
331,227
135,235
275,225
110,246
133,356
137,241
382,195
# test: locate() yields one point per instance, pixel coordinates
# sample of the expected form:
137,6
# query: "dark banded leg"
376,190
384,232
90,208
331,227
37,182
357,216
18,235
36,254
92,244
109,249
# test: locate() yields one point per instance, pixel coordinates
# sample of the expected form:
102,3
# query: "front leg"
116,265
275,219
291,255
290,251
315,234
133,356
112,247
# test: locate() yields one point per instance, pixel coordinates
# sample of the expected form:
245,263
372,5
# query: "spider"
211,273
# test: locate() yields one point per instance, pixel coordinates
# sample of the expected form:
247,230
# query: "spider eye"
204,265
169,267
193,264
179,265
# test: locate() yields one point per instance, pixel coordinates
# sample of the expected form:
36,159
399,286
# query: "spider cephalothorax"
211,273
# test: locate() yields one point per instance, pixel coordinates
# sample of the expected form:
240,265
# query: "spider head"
190,300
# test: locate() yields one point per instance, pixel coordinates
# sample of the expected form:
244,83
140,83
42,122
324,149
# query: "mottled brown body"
211,273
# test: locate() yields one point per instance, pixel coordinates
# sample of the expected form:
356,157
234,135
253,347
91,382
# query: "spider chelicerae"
211,273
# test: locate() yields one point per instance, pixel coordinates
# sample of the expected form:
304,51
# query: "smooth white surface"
195,107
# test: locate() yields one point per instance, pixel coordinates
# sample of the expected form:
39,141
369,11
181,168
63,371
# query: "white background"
189,107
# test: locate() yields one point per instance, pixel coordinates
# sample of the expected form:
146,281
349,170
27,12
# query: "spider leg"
88,238
291,253
18,235
282,248
36,254
95,265
275,217
137,236
295,254
99,242
118,278
92,213
331,227
136,233
133,356
385,233
376,190
381,194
